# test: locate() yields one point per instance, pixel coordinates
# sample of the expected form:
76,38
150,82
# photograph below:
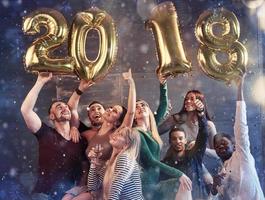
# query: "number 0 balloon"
103,23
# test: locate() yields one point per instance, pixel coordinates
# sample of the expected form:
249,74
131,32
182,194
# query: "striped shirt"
124,185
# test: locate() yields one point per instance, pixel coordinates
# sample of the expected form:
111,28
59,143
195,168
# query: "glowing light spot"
253,4
258,91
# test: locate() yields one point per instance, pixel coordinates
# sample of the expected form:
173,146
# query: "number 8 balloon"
213,44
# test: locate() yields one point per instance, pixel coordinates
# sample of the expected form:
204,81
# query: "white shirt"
241,181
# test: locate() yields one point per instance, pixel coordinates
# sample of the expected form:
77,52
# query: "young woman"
188,120
113,118
151,143
121,174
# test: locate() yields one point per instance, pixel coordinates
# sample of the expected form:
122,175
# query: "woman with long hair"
151,144
121,173
114,118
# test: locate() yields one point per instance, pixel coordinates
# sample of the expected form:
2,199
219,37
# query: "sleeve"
150,160
201,141
121,173
212,132
95,178
163,104
241,128
44,130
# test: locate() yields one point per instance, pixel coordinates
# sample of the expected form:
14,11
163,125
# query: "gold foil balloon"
164,23
38,56
214,44
209,21
99,20
227,70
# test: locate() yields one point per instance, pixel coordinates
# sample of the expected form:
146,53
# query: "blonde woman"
146,124
122,175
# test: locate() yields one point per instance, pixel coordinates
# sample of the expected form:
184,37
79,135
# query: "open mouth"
97,116
65,113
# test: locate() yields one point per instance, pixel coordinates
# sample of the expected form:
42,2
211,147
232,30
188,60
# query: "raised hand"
84,84
44,77
127,75
199,105
162,79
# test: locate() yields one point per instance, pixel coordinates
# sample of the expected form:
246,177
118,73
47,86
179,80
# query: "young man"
238,179
62,163
95,111
189,161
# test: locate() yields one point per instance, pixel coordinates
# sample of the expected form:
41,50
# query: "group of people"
118,155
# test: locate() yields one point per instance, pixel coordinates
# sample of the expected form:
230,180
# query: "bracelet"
78,92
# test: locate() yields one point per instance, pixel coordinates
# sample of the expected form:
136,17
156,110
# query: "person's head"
177,139
126,139
142,109
59,111
189,102
95,111
115,115
142,112
224,145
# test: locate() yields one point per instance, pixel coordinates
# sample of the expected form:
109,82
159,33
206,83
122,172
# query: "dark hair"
222,135
175,129
121,118
199,95
95,102
53,102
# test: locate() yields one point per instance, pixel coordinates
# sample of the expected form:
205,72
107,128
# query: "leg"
68,197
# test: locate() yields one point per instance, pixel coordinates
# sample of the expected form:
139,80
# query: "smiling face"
60,111
223,146
119,139
95,113
189,102
112,114
142,109
178,140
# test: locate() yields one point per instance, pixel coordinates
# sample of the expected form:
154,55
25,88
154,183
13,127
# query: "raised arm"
74,101
240,126
128,119
31,118
201,140
163,101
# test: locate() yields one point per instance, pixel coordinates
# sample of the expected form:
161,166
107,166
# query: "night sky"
136,48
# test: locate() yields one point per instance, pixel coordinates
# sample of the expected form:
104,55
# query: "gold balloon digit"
164,24
93,19
226,71
226,20
214,44
38,56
